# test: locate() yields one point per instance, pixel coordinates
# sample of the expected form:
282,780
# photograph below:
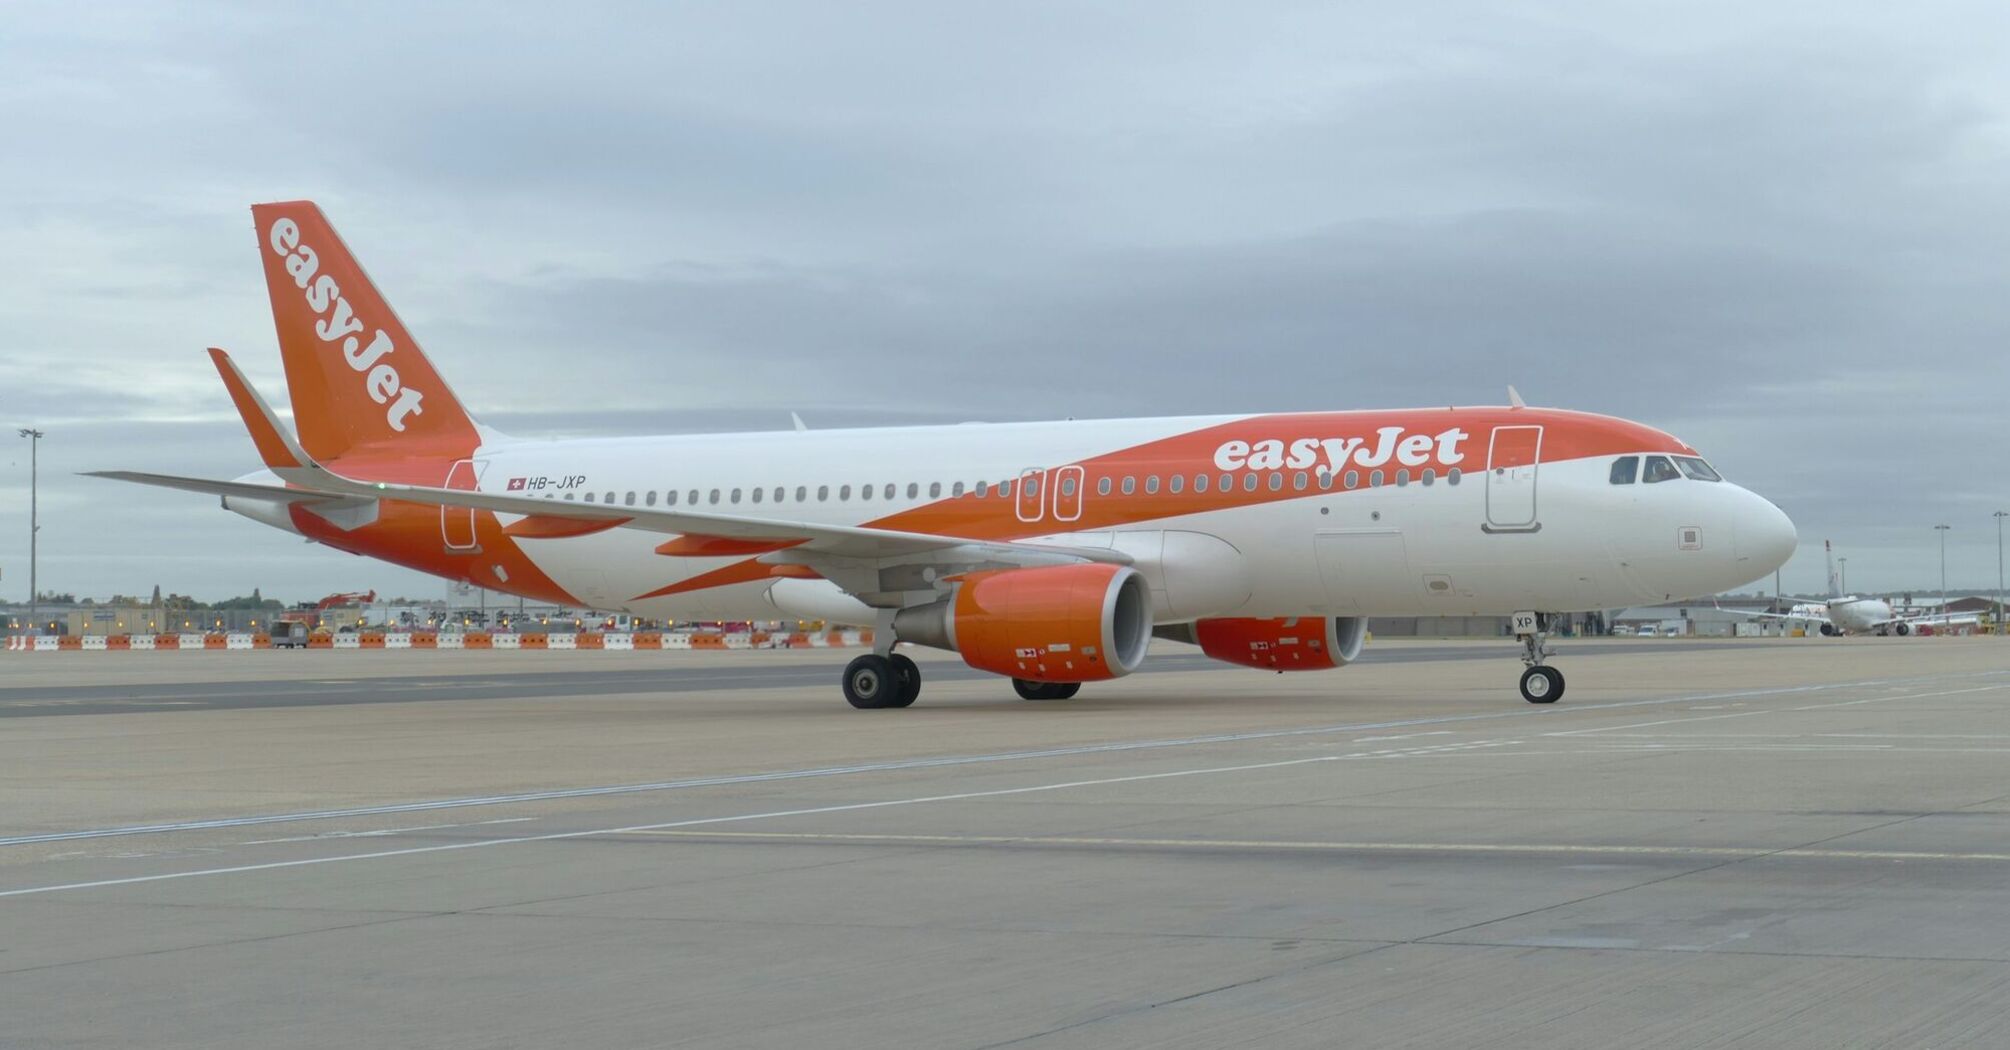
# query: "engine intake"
1060,623
1293,644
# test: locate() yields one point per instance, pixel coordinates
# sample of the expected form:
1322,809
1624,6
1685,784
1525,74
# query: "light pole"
1842,580
1999,516
1942,529
34,526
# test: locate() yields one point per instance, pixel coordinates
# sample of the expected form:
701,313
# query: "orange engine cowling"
1059,623
1294,644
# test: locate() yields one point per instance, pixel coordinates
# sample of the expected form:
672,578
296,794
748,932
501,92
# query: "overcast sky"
1780,231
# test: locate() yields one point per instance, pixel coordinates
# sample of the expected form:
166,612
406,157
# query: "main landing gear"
1540,683
1028,690
873,680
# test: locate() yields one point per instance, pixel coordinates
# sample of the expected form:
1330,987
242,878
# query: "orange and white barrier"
617,641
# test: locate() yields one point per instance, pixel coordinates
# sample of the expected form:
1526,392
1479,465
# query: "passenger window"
715,496
844,492
1659,469
670,498
568,498
589,497
757,495
628,500
1004,490
983,489
1175,483
779,494
1068,485
823,493
1130,485
1227,483
913,490
956,489
1625,469
736,495
1375,480
1452,476
865,492
649,499
1249,482
1152,485
1697,469
1276,482
1402,477
1298,482
935,490
1430,476
802,493
1030,487
1325,479
1200,482
889,490
1103,485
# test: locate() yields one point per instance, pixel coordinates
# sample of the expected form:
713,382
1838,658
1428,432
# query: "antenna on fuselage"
1514,398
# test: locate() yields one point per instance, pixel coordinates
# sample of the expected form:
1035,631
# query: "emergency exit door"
457,524
1513,455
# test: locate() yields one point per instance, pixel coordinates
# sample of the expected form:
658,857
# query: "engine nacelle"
1059,623
1294,644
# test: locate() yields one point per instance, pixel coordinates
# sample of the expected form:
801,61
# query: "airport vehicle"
1845,614
1049,553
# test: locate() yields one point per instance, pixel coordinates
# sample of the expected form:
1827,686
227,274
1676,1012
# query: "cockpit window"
1625,469
1659,469
1697,469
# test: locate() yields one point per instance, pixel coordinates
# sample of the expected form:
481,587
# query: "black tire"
1542,685
910,680
870,681
1902,629
1029,690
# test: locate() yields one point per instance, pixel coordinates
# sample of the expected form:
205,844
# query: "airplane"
1050,553
1846,614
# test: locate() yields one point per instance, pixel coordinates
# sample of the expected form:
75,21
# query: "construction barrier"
622,641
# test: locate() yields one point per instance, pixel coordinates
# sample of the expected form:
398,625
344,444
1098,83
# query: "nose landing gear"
1540,683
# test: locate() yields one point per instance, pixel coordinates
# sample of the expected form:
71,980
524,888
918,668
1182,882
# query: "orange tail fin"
358,379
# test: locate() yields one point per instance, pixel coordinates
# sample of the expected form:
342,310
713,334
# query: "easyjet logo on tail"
339,322
1389,443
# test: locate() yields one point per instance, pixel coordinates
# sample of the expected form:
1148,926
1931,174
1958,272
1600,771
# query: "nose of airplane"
1765,535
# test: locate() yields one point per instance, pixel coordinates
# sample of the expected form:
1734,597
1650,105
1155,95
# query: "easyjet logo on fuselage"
1390,444
339,321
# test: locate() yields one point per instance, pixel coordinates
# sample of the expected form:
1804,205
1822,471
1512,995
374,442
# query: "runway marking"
1333,847
903,765
1404,736
381,832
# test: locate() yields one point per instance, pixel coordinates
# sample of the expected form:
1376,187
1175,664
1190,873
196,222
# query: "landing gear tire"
1029,690
1902,629
871,681
1542,685
909,676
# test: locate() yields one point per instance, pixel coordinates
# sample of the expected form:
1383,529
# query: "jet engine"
1293,644
1058,623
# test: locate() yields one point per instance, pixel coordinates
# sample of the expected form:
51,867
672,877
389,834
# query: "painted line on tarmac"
903,765
1331,847
697,822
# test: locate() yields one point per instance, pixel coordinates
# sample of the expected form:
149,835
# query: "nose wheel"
1540,683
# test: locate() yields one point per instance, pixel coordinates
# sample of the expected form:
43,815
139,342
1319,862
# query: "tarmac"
1778,843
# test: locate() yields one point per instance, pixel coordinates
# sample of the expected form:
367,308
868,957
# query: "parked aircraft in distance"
1844,614
1050,553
